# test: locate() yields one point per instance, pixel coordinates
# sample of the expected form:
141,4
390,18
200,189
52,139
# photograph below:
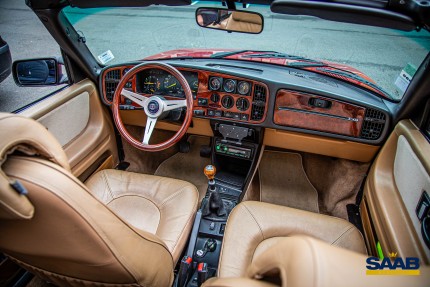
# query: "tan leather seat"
303,261
239,21
253,227
122,229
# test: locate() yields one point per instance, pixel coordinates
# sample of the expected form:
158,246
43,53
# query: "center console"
234,153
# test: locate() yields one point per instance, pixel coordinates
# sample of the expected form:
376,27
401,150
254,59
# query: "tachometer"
243,88
150,85
195,86
171,85
229,85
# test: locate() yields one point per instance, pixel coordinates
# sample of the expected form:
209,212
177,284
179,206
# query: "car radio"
233,150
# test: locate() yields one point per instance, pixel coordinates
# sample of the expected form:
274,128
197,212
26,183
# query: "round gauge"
194,86
150,84
215,83
229,85
171,85
227,102
215,98
243,88
242,104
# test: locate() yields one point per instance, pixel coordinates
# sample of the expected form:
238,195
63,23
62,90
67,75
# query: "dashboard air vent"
258,103
373,124
112,79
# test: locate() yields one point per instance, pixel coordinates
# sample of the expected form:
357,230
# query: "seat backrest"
58,230
244,22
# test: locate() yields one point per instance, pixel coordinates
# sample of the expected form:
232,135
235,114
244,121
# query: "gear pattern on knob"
210,171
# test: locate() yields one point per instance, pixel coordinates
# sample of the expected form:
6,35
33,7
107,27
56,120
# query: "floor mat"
188,166
283,181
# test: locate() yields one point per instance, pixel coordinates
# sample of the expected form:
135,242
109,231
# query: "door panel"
396,181
78,120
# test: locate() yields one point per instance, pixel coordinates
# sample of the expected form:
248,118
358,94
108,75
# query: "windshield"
388,57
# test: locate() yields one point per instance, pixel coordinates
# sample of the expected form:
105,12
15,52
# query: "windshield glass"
116,35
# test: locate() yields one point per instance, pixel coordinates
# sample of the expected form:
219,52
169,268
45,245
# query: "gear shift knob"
210,172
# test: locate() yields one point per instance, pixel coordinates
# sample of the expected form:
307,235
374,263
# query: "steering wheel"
155,107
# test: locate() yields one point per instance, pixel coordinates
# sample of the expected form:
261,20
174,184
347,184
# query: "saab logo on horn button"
153,107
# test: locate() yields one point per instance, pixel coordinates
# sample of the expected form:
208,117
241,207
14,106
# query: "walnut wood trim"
204,93
292,109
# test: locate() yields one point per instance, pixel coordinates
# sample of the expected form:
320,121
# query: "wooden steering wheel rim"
116,110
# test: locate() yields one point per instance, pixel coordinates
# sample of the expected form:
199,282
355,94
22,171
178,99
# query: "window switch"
423,207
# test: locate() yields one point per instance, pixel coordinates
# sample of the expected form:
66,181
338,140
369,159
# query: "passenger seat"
253,227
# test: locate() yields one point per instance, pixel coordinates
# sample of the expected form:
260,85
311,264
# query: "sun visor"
125,3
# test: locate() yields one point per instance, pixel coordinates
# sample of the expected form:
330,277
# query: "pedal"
205,151
122,165
184,146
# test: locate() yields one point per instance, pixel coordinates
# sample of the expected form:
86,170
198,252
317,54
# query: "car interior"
198,167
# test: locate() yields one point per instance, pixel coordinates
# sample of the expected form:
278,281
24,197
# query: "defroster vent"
373,124
258,103
112,79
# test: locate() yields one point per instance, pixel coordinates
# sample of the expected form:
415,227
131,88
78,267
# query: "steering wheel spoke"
174,104
134,97
149,128
153,106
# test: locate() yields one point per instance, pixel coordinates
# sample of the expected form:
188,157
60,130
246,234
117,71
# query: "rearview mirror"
38,72
230,20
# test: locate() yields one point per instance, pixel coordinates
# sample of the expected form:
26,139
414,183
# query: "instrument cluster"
159,82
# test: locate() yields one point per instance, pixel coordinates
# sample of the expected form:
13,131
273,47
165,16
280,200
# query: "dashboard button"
228,114
211,113
236,116
218,113
244,117
202,102
199,113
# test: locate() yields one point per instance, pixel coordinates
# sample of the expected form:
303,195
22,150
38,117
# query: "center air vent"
373,124
112,79
258,103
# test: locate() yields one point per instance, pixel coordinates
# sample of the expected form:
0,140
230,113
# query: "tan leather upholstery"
28,137
73,239
244,22
253,227
159,205
384,210
304,261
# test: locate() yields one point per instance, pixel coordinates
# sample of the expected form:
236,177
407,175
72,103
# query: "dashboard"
268,96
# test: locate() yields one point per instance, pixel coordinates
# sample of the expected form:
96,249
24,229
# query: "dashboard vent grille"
112,79
373,124
258,103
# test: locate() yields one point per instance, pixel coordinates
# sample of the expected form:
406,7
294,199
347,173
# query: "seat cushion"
159,205
253,227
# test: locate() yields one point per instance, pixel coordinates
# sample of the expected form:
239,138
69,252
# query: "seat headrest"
22,134
246,17
27,136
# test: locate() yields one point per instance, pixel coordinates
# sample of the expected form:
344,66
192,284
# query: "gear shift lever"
210,172
214,204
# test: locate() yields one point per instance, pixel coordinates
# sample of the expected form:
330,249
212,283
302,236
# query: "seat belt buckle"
184,270
202,273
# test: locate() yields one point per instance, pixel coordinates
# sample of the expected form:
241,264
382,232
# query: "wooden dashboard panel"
257,98
297,109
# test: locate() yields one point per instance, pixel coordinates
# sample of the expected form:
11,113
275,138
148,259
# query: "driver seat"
120,229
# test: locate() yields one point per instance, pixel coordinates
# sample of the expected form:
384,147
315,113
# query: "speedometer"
150,84
171,85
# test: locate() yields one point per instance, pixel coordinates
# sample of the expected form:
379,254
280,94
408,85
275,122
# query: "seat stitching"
108,185
188,221
252,215
133,194
342,235
172,196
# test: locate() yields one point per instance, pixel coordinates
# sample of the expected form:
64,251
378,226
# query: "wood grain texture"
293,109
203,92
